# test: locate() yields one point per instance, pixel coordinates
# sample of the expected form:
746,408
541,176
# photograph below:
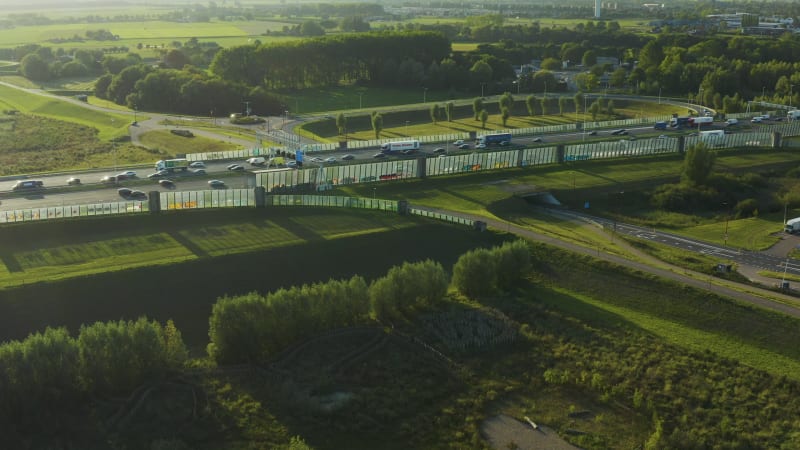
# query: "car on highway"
757,119
27,185
593,133
663,136
73,181
198,165
235,168
538,139
158,175
231,166
216,184
291,164
463,146
481,145
199,171
109,179
619,132
379,155
330,160
440,150
169,184
316,159
137,195
458,142
125,175
124,192
505,143
348,157
409,151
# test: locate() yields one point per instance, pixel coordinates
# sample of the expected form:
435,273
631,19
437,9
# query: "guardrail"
69,211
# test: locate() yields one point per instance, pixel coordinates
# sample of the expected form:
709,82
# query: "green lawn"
109,125
62,258
173,144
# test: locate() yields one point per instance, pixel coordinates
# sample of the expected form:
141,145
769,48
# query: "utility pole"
246,108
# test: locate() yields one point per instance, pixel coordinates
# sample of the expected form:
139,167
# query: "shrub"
746,208
407,288
475,274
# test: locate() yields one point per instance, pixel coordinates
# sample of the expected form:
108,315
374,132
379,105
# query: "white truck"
173,165
792,225
698,121
399,146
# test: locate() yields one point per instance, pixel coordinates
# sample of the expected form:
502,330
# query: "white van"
257,161
732,122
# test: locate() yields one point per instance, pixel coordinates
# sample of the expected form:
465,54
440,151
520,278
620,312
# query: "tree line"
326,61
52,372
254,328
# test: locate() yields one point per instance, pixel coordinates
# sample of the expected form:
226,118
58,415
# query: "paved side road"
744,293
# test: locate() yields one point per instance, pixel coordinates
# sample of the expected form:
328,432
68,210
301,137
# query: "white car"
663,136
316,159
291,164
198,165
480,146
216,184
348,157
330,160
756,119
128,174
458,142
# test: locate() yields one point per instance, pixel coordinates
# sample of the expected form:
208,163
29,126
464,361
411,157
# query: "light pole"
659,96
584,117
482,85
545,89
360,95
791,87
406,127
762,92
424,95
285,116
136,122
700,96
517,83
373,193
725,204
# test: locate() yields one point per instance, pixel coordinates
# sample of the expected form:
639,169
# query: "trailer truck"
495,138
399,146
173,165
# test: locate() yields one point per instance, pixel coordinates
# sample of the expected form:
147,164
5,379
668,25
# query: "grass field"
109,125
174,144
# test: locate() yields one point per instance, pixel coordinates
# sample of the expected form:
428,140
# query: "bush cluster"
51,370
483,272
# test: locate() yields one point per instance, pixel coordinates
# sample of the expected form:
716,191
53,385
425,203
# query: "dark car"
379,155
537,140
505,143
73,181
124,192
137,195
593,133
26,185
216,184
109,179
463,146
619,132
236,167
440,150
169,184
409,151
348,157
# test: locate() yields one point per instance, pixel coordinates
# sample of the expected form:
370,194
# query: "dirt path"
504,432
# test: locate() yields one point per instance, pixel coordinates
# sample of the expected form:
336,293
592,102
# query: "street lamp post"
725,237
407,127
285,116
424,95
762,92
791,87
360,94
482,85
700,96
659,96
517,83
584,117
136,121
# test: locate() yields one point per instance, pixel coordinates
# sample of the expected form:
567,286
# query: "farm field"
133,33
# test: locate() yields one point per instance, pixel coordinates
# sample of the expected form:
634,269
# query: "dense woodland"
719,70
